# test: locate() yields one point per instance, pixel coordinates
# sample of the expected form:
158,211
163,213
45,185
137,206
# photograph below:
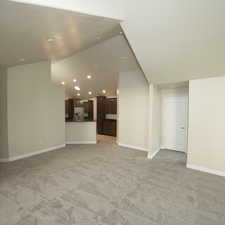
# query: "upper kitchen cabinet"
88,109
111,106
100,113
69,109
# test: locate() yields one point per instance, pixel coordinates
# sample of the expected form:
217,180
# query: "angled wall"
206,134
3,115
154,141
35,110
133,110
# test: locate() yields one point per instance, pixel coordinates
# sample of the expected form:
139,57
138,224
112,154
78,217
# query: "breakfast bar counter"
81,132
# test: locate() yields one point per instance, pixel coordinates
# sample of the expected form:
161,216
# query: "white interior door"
174,123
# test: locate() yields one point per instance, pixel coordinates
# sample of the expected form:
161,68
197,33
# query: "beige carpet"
108,185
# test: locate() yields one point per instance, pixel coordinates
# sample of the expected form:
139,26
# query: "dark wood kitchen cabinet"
111,106
106,106
69,109
109,127
100,113
88,109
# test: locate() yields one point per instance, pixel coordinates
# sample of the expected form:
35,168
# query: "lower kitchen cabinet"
109,127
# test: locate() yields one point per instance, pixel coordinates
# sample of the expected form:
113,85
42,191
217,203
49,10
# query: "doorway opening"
106,119
174,121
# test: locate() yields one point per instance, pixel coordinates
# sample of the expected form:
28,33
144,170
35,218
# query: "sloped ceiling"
173,40
103,62
177,40
24,30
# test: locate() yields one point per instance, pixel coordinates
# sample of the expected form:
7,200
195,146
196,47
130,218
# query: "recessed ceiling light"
78,94
89,76
90,93
51,39
22,60
62,83
74,80
121,32
103,91
77,88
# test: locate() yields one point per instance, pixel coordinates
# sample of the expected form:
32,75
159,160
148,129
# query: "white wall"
206,145
36,110
154,120
133,110
3,114
175,98
81,132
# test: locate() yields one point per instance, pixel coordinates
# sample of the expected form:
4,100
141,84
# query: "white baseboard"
81,142
206,170
11,159
151,156
133,147
171,149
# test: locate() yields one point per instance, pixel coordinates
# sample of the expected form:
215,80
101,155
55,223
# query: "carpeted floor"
108,185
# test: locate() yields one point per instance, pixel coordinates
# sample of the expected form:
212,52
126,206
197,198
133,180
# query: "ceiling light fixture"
103,91
62,83
77,88
51,39
89,77
74,80
78,94
90,93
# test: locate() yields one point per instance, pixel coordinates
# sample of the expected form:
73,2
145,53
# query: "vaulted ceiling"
77,44
102,61
173,40
25,30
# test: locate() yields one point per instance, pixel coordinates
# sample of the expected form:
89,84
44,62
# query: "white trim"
206,170
81,142
11,159
4,160
171,149
133,147
153,155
